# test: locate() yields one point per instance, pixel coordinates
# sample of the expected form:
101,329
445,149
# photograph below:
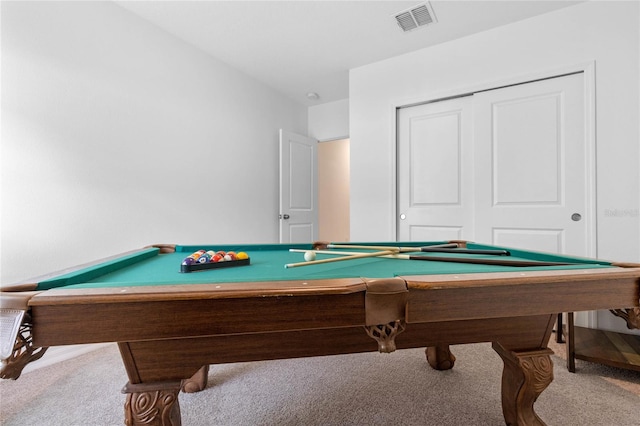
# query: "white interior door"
435,171
298,188
509,166
532,169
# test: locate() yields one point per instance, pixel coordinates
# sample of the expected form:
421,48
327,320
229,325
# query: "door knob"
284,216
576,217
403,216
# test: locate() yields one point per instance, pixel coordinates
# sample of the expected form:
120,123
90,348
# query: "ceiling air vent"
415,17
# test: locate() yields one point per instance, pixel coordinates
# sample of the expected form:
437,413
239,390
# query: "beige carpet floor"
358,389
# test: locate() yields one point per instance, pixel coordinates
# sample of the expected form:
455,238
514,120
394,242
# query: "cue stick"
499,262
339,259
342,253
479,261
491,252
443,248
398,249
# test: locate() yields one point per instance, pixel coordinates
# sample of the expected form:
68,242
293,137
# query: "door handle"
283,216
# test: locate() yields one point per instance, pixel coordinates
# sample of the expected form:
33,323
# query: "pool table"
171,325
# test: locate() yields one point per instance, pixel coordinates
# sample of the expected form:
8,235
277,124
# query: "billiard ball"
242,255
309,256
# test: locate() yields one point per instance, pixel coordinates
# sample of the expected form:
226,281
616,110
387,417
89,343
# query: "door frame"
588,70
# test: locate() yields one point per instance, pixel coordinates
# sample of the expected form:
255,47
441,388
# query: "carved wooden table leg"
526,374
440,357
197,382
152,404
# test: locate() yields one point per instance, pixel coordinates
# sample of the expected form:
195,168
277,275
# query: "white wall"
329,121
116,135
604,33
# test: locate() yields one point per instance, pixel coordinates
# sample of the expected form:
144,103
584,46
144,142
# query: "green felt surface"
148,267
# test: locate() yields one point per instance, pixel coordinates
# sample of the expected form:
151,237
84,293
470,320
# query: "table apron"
122,322
474,302
176,359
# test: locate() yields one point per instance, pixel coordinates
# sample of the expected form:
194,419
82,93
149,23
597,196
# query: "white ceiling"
298,47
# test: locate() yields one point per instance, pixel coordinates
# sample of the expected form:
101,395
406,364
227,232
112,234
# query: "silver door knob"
403,216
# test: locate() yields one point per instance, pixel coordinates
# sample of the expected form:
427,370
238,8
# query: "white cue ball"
309,256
